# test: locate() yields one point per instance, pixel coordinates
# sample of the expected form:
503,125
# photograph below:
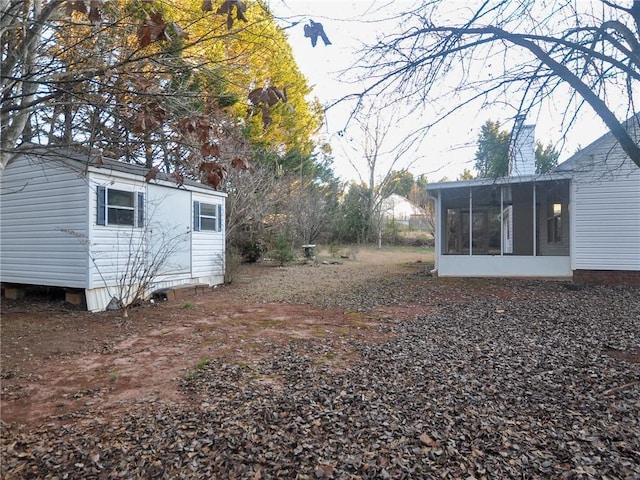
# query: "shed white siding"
113,248
51,233
193,257
44,234
208,248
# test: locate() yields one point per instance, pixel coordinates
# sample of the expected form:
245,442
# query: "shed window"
207,217
120,207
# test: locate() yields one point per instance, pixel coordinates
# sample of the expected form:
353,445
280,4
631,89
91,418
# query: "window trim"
102,207
198,216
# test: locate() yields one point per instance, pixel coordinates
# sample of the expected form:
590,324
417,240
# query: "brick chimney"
522,151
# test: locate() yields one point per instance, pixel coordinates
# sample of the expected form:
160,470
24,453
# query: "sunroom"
512,227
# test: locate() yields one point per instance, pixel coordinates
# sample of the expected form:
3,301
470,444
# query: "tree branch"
596,103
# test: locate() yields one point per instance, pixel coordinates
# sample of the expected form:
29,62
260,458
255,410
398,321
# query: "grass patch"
202,363
192,375
355,318
268,322
409,249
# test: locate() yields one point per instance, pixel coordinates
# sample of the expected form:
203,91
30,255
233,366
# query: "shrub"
334,250
252,250
233,259
282,252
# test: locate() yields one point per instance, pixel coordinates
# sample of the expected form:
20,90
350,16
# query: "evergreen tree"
400,182
492,155
546,157
465,175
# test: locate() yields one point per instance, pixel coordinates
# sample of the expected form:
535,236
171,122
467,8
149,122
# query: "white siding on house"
44,230
208,248
606,207
114,249
607,222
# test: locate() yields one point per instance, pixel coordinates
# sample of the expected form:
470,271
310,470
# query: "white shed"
402,210
82,222
581,221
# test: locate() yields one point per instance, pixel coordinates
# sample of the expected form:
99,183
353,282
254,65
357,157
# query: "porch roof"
482,182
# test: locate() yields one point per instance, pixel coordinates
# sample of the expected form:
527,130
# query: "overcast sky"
447,150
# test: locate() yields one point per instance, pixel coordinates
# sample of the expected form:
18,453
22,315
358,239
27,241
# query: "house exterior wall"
44,225
606,211
208,248
603,228
50,233
114,248
199,259
607,277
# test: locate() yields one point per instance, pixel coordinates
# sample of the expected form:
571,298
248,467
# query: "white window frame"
103,207
198,216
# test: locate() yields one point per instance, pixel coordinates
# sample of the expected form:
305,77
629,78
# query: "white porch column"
502,220
470,221
535,223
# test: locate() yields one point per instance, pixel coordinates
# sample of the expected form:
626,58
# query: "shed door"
169,221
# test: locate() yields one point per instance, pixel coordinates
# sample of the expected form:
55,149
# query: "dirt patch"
59,362
631,355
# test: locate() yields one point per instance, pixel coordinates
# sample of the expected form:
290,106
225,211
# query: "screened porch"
512,228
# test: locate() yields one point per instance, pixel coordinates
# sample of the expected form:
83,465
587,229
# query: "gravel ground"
503,379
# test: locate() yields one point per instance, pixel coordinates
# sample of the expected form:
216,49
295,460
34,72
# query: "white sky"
448,149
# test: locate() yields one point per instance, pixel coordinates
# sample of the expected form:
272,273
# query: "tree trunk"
13,122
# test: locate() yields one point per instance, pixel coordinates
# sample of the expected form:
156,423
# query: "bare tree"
519,54
146,259
382,153
252,198
309,210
